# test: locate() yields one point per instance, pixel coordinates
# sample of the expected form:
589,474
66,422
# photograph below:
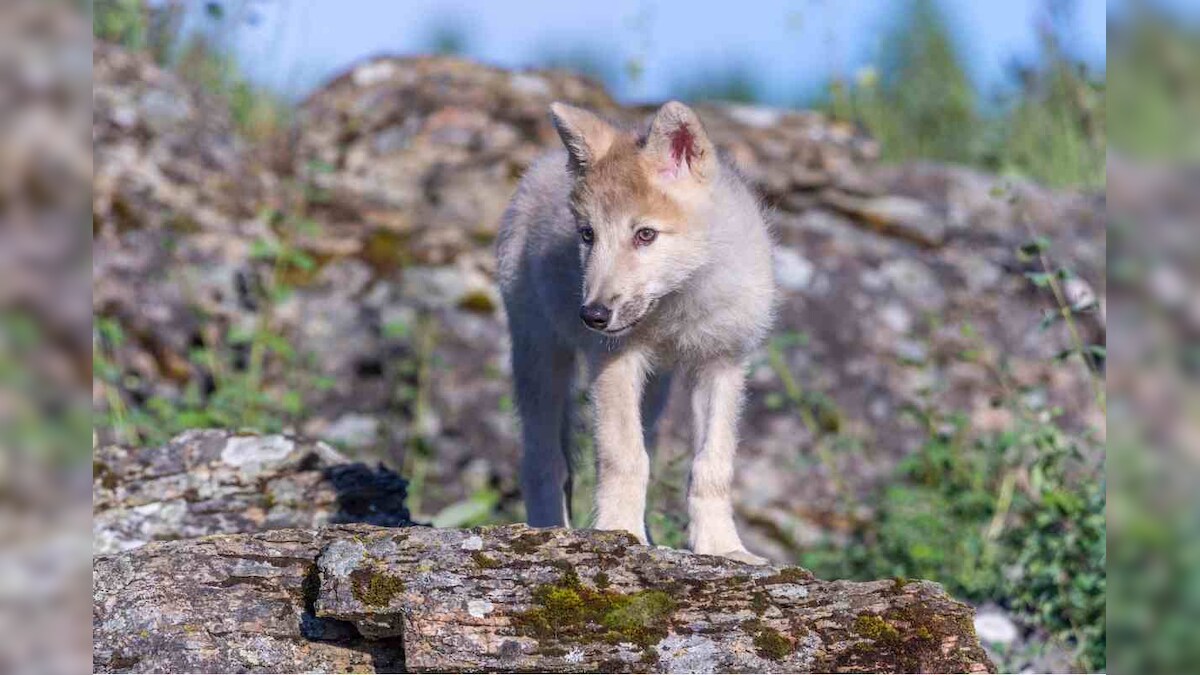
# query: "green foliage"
123,22
479,508
1054,131
258,114
249,379
1155,94
202,56
1154,520
922,103
40,417
1015,517
1010,517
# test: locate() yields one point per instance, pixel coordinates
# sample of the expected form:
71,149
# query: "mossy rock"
374,588
570,612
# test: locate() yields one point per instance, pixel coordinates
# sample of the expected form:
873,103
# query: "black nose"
595,316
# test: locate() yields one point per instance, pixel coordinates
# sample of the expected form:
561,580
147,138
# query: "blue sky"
790,47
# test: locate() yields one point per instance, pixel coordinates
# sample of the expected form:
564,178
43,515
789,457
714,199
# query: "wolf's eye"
644,236
587,234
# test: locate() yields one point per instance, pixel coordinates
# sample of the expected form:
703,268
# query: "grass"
1015,517
1154,98
201,56
249,378
920,104
41,416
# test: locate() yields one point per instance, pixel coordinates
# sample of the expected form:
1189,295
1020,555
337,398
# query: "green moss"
477,301
181,223
386,251
906,638
601,580
484,561
530,542
876,628
771,644
789,575
571,612
900,583
633,614
107,478
759,602
374,589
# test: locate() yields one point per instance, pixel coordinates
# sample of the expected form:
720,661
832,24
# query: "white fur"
703,323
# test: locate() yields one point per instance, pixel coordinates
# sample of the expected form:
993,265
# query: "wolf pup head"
639,204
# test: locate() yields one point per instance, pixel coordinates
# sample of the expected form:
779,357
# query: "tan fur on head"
659,182
586,136
621,181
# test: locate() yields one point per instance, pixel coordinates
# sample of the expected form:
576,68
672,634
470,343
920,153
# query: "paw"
742,555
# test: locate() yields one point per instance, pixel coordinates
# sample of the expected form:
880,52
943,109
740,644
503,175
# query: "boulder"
211,481
358,598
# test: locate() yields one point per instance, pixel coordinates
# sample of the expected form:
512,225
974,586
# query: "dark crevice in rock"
387,654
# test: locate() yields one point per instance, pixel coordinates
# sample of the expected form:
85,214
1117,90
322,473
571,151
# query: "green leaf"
321,167
774,401
262,249
1033,248
1039,279
475,510
291,402
396,330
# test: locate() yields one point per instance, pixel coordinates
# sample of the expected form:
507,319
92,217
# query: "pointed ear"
678,146
586,136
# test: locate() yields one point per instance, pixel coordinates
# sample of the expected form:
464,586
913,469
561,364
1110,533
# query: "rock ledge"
362,598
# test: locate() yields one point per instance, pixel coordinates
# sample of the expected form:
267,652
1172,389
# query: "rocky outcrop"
429,149
212,482
903,290
358,598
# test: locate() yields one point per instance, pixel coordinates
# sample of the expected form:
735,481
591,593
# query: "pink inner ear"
683,145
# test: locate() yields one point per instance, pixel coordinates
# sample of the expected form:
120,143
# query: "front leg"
716,403
623,467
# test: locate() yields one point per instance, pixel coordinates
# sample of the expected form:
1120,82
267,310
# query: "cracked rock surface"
363,598
212,481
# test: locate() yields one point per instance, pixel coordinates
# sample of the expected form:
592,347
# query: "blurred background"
292,218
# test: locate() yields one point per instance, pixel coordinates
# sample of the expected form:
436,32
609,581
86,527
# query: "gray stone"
209,482
372,599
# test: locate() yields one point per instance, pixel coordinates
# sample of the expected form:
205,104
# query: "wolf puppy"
649,256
